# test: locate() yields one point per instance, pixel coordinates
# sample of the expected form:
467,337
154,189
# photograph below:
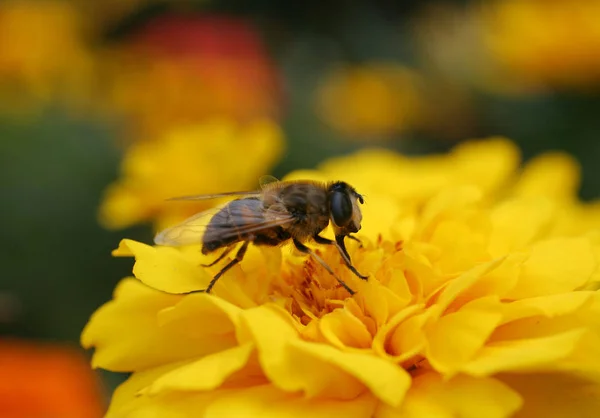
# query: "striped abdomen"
241,220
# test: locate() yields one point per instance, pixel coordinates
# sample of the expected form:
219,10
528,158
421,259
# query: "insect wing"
188,232
253,193
240,222
266,180
263,182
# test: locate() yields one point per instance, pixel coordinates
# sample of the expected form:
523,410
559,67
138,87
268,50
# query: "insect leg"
222,256
341,246
304,249
352,237
238,257
322,240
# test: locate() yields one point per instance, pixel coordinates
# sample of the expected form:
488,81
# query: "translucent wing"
252,193
188,232
265,180
230,221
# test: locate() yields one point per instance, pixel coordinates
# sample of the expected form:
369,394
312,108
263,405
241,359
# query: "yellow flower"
477,305
42,52
211,157
378,99
545,42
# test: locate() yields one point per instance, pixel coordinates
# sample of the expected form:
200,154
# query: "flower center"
309,291
383,316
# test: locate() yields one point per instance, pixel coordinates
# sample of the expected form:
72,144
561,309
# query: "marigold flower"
477,305
185,161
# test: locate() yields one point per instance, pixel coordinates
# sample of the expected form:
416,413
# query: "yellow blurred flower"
184,69
211,157
373,101
545,42
42,53
476,306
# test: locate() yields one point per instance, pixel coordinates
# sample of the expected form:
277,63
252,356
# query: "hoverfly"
281,211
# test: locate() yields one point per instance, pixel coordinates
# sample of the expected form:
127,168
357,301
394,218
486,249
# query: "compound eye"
341,208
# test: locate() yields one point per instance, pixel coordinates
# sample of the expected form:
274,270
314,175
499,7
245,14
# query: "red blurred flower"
180,69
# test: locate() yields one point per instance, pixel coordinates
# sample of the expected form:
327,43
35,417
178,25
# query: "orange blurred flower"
180,69
48,381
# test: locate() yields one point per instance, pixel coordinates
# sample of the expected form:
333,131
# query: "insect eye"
341,208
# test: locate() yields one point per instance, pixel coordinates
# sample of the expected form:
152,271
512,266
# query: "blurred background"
109,107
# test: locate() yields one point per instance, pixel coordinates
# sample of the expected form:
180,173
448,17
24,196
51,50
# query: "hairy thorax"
306,201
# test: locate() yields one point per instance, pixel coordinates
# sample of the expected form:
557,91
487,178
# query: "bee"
282,211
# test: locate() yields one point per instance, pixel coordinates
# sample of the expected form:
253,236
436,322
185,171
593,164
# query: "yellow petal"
385,380
455,338
458,255
125,400
463,282
273,337
537,354
554,175
555,266
380,216
126,334
202,316
555,395
447,203
420,277
584,360
400,292
498,281
344,330
402,338
260,266
548,306
166,407
461,396
204,374
381,301
488,164
164,268
516,223
269,402
318,369
551,316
